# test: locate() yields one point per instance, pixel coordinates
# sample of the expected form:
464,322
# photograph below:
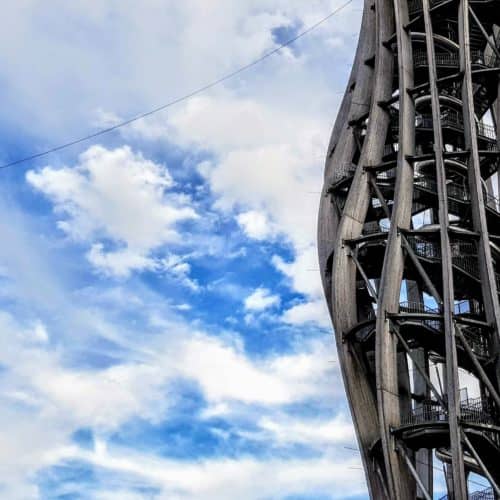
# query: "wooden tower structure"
409,247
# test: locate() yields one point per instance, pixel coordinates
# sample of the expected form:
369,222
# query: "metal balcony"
474,411
415,6
375,227
451,59
443,59
417,308
487,494
477,341
454,190
452,119
344,171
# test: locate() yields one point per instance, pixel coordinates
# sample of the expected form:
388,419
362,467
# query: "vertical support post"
452,388
414,473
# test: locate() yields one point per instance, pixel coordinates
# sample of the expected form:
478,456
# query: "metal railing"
477,341
485,130
390,149
454,190
415,6
464,256
343,171
492,201
417,307
425,248
427,411
375,227
468,307
490,146
442,58
457,191
463,253
487,494
451,118
387,174
481,59
477,411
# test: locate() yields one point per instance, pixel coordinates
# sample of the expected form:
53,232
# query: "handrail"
486,494
441,58
375,227
451,118
477,411
390,149
492,201
387,174
463,255
467,307
454,190
486,130
417,307
343,171
415,6
476,340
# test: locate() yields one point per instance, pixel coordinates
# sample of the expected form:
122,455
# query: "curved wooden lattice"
409,245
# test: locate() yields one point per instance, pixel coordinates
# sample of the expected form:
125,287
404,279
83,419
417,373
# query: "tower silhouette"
409,247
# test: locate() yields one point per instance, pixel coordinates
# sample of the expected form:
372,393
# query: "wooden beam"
480,463
477,365
452,382
424,375
363,275
421,270
401,449
483,31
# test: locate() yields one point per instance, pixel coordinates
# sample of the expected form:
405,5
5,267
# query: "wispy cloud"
158,290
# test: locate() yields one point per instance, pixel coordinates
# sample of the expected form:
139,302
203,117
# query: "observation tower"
409,247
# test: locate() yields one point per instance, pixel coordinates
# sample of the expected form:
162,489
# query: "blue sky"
163,328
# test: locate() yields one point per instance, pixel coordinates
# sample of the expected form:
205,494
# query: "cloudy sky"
162,324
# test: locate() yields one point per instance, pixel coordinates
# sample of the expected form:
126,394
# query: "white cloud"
105,398
65,398
306,312
118,195
226,479
128,62
180,270
118,263
310,432
267,172
40,333
226,374
268,166
265,156
268,148
302,272
255,225
261,299
183,307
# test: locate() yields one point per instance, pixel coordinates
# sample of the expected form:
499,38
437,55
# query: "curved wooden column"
399,483
344,306
341,138
452,381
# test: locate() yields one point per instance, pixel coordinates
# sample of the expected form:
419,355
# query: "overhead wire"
185,97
